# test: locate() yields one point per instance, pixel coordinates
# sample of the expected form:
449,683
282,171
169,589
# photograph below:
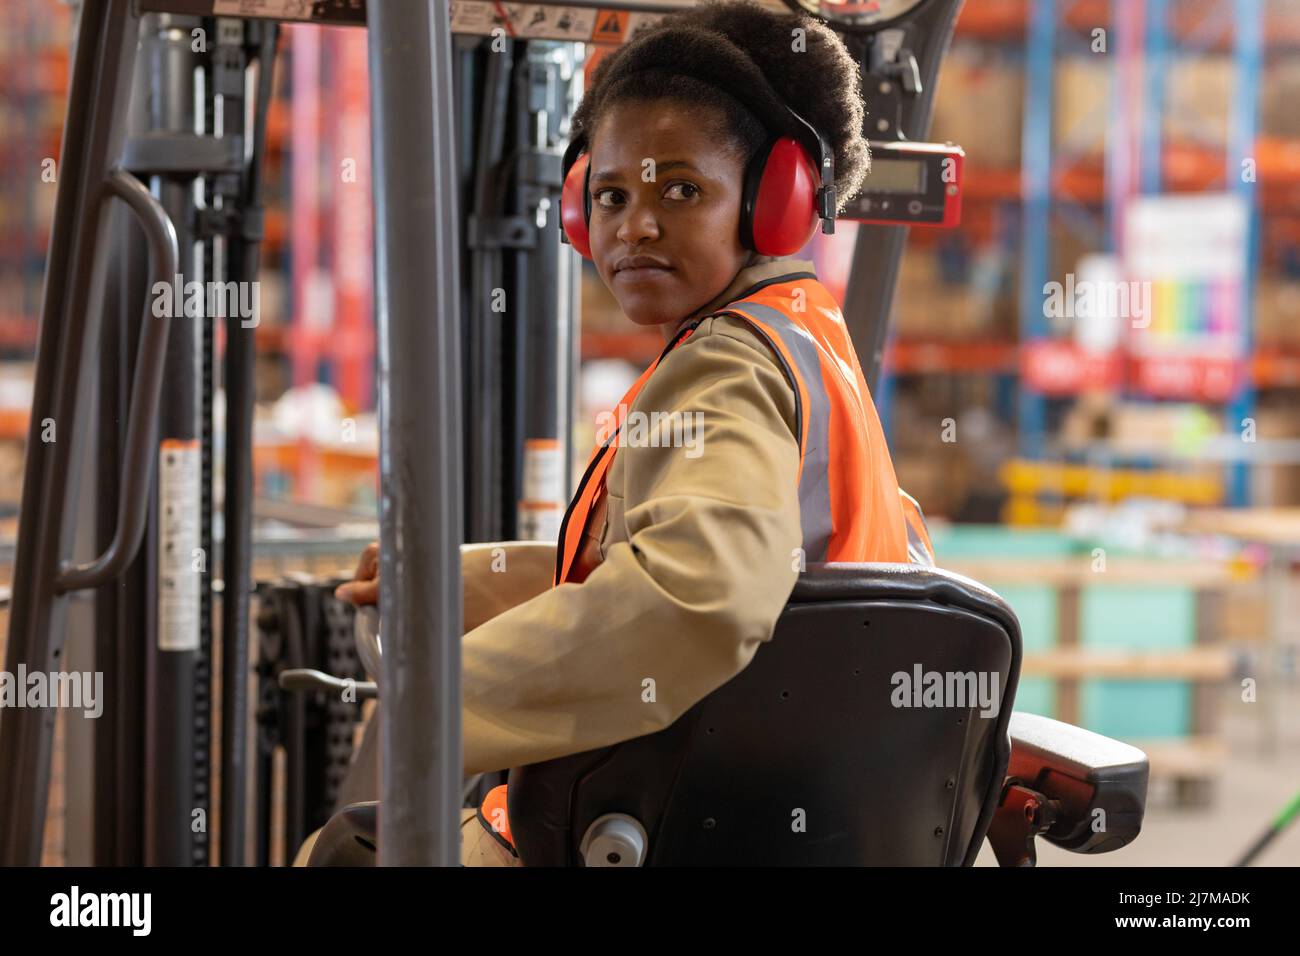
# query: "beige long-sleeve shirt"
697,559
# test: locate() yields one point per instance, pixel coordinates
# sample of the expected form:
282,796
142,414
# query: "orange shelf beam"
14,423
921,355
633,346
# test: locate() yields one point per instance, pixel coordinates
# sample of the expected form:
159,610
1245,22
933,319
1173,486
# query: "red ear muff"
575,209
779,208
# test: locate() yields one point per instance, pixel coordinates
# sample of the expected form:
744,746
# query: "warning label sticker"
611,26
534,21
279,9
181,561
544,21
635,21
475,16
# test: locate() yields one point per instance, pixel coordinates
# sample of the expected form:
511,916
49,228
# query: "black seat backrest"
804,757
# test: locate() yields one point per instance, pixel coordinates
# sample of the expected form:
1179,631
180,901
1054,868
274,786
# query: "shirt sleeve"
680,607
499,575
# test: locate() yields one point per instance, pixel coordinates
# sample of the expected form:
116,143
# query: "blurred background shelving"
1059,140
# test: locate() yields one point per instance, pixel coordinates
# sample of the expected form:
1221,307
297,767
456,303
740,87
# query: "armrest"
1079,790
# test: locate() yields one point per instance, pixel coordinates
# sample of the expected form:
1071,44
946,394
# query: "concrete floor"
1252,789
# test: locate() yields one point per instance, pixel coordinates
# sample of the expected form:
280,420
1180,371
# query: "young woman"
676,557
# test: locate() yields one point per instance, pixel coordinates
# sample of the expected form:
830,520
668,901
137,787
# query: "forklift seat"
817,753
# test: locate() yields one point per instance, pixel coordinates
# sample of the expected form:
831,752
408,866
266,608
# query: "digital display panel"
895,176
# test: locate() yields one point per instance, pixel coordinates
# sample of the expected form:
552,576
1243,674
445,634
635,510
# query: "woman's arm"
680,607
495,577
499,575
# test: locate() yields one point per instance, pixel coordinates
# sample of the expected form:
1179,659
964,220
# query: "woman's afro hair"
694,56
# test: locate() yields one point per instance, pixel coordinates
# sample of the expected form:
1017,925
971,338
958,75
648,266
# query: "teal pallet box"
1035,605
1137,618
954,541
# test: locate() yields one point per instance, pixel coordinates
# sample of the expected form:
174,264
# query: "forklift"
167,114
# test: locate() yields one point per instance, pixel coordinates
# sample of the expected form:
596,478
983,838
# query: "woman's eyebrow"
605,175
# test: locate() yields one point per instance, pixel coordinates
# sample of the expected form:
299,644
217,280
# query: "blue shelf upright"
1243,19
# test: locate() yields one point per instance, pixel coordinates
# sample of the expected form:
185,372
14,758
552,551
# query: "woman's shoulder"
729,326
724,347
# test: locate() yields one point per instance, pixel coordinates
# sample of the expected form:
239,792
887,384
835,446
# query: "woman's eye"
612,198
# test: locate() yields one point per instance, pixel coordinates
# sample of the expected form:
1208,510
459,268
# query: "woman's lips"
642,273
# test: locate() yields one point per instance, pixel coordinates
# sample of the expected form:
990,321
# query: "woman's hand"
364,588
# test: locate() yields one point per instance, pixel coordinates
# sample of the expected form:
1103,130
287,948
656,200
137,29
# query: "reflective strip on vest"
576,517
813,413
919,547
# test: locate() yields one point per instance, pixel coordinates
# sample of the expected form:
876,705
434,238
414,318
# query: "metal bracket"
889,57
541,168
501,232
245,224
183,154
890,72
1022,814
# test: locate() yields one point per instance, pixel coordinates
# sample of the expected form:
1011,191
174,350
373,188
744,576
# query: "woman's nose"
639,223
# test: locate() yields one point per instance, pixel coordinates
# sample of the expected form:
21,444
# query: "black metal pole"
244,254
484,386
417,316
878,249
175,526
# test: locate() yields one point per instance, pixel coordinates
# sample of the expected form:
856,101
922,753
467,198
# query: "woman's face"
664,189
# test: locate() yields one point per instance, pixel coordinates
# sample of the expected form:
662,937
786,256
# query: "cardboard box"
1276,486
600,310
1198,99
978,104
1279,94
940,482
1277,312
1082,108
928,306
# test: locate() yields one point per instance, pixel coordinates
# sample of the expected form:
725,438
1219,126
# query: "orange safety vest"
850,505
849,502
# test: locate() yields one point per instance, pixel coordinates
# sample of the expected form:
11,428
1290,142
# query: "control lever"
890,58
307,679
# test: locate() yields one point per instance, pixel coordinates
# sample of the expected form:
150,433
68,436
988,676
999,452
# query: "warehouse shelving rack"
1131,167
